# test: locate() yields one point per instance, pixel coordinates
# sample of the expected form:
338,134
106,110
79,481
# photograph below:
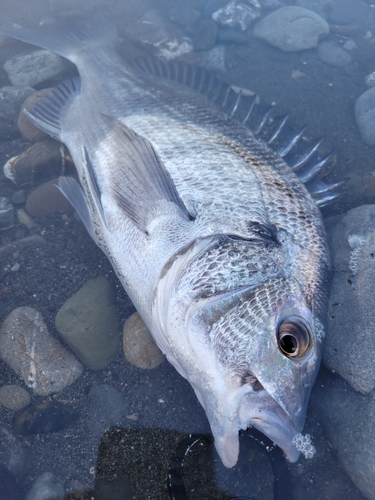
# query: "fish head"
251,354
267,355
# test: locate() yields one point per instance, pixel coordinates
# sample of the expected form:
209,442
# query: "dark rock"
9,489
228,35
350,341
41,161
204,35
27,129
365,115
7,214
118,488
44,418
47,199
349,420
107,407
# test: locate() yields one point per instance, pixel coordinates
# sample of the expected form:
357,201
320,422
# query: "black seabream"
215,239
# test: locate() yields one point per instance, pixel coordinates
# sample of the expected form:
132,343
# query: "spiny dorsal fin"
143,184
46,113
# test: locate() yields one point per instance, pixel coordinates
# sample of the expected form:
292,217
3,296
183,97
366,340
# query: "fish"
217,242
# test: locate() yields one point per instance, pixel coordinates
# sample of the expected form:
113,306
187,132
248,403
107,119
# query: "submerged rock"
9,489
46,487
333,55
7,214
349,421
47,199
14,397
45,418
139,346
350,341
40,360
30,69
28,129
365,115
106,408
237,14
292,29
88,322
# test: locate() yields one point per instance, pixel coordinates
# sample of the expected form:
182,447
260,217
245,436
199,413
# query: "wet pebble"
27,129
204,35
41,160
365,116
107,407
19,197
139,346
333,55
11,99
292,29
30,69
25,219
40,360
18,245
44,418
7,214
88,322
14,397
350,342
46,487
13,447
46,200
348,419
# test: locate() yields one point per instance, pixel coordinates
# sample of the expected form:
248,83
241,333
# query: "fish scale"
217,242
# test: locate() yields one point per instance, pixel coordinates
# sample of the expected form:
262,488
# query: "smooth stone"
46,200
28,130
11,99
39,359
107,407
44,418
365,116
349,421
14,397
42,160
204,35
182,14
36,67
140,348
292,29
19,197
88,322
350,341
237,15
333,55
25,219
46,487
18,457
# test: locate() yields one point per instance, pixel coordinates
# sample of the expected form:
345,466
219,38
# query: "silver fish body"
216,241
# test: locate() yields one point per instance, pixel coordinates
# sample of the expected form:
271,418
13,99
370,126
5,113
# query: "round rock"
140,348
365,115
46,200
333,55
350,341
292,29
106,408
46,487
88,323
27,129
39,359
14,397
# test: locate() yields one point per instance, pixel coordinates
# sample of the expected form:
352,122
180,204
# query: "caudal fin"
68,38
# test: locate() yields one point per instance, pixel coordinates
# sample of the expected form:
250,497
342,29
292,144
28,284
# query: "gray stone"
107,406
14,397
47,199
12,98
46,487
204,35
348,11
349,421
139,346
30,69
14,453
39,359
292,29
365,115
333,55
88,323
350,340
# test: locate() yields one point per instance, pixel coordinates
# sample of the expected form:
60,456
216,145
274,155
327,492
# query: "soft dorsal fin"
142,185
46,113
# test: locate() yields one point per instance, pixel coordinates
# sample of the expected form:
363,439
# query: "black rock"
44,418
9,489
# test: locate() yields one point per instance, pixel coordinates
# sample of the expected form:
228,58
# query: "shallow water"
131,460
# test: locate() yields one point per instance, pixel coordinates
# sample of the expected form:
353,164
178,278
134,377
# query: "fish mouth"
270,419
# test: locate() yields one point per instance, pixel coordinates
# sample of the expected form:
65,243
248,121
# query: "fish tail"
69,38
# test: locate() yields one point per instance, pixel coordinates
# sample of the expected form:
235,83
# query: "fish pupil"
289,344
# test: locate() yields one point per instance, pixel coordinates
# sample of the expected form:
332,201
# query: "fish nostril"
250,379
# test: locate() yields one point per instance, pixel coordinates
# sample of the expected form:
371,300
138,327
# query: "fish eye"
293,339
